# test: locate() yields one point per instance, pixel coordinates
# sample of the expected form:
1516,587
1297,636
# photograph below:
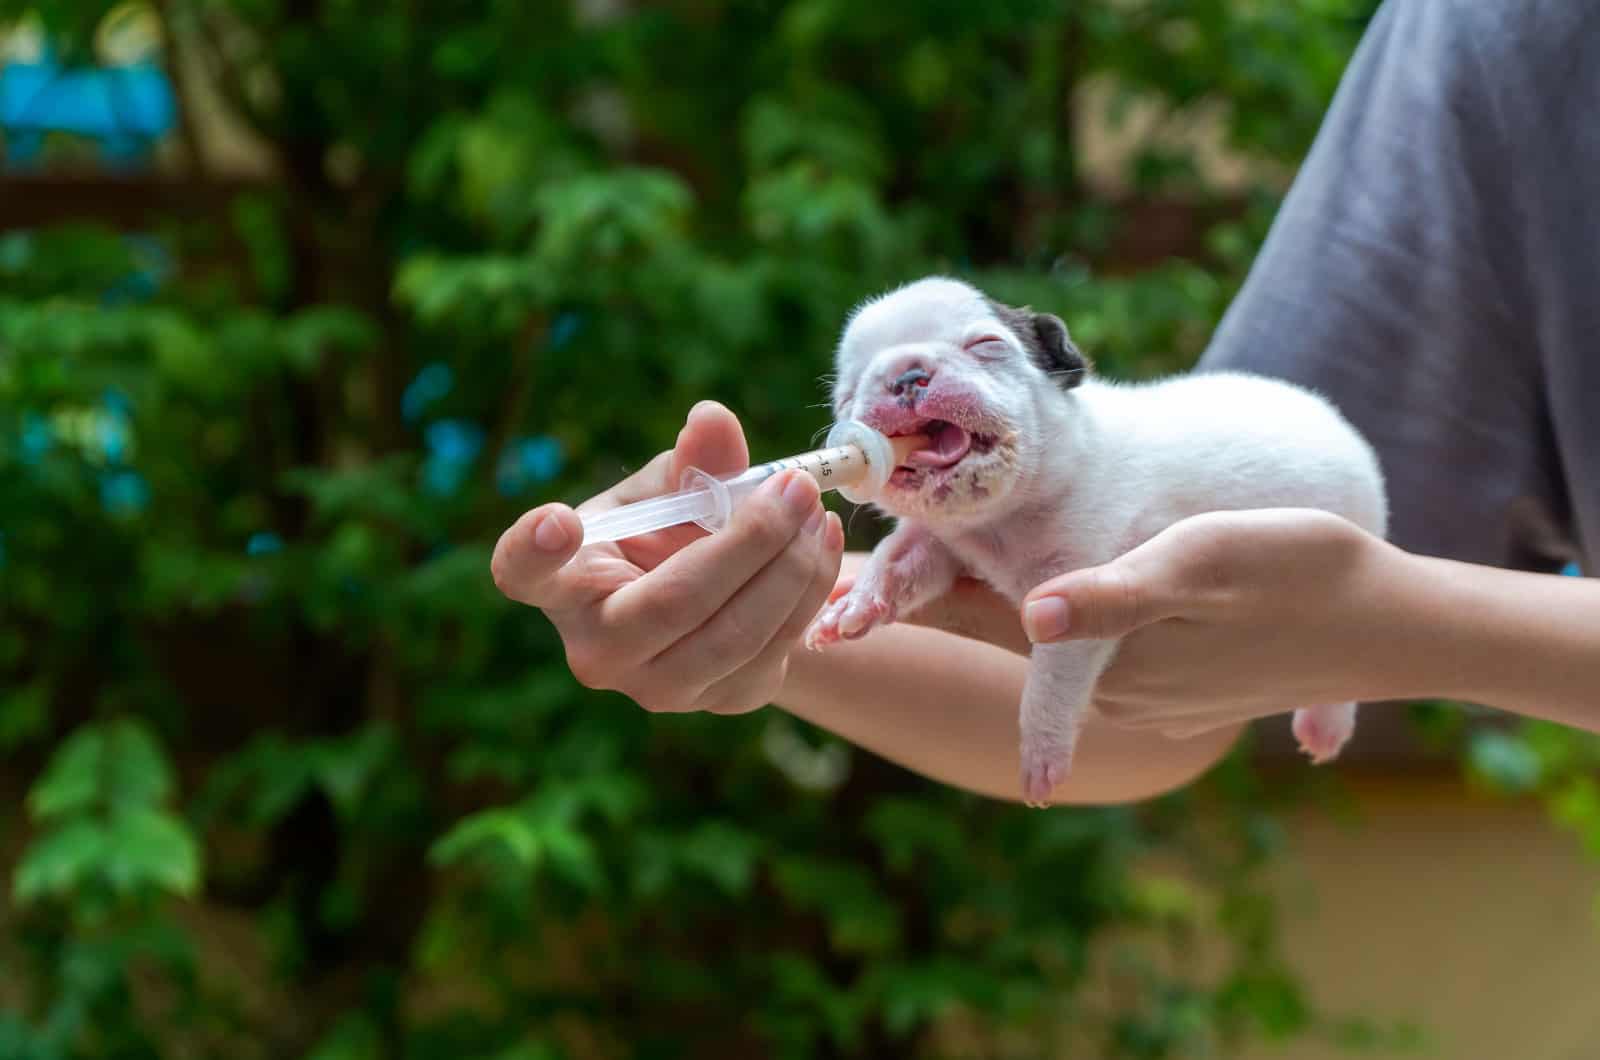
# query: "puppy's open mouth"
947,444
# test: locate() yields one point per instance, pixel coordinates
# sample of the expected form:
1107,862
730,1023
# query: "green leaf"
151,848
355,1038
1270,996
137,771
1505,761
573,856
484,833
908,828
722,853
310,332
860,919
346,768
116,763
914,995
103,762
71,782
61,860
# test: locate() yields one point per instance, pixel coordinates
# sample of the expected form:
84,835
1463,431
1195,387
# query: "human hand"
1230,616
680,620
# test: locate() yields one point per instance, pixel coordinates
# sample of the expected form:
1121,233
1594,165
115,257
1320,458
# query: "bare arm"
946,706
1226,617
1528,643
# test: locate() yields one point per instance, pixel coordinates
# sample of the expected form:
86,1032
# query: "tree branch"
183,88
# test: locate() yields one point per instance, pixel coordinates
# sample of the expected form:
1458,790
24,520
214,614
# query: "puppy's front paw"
851,616
1323,731
824,629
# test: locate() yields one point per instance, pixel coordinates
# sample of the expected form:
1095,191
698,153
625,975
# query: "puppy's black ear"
1056,353
1045,338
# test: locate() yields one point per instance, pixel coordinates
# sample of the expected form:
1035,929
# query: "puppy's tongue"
947,444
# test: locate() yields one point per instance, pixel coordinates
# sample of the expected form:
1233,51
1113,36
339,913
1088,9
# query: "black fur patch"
1045,337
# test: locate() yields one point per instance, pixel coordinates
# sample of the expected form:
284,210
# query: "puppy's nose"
914,376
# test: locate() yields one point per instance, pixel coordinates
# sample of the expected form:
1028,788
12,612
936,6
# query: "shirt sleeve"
1392,282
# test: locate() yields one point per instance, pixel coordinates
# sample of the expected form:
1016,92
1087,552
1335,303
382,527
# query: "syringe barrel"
856,460
832,467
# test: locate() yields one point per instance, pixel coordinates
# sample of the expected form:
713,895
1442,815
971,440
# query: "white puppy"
1035,469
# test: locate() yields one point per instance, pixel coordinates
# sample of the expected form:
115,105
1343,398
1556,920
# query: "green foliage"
306,785
1556,763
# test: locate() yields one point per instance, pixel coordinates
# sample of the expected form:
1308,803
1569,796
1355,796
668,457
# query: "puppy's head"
983,380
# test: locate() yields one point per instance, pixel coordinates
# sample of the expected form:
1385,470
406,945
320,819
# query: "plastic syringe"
855,460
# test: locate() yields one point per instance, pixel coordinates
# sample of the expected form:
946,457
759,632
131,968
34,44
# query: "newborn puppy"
1035,468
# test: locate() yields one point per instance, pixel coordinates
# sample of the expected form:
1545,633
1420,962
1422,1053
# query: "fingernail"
1045,618
550,535
796,495
701,406
814,523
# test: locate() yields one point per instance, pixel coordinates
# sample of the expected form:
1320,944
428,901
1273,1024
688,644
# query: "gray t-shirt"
1435,272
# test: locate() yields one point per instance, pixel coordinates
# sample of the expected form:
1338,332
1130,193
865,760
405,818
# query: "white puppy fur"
1035,468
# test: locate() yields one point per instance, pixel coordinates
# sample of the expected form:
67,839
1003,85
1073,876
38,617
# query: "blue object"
152,265
453,445
115,436
1572,570
263,543
126,108
16,251
116,401
432,383
37,437
563,329
123,493
528,462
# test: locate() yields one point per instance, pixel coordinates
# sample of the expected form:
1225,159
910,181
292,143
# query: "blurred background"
303,301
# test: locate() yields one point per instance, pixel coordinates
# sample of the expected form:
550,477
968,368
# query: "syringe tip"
906,444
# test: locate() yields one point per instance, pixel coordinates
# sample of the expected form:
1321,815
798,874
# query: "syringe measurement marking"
836,462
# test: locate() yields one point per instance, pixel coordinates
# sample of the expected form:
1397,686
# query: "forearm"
1526,643
946,706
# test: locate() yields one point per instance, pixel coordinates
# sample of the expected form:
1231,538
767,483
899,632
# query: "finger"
688,587
741,690
1137,588
711,440
972,609
528,558
738,631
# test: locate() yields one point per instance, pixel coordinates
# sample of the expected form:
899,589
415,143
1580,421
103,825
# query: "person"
1431,271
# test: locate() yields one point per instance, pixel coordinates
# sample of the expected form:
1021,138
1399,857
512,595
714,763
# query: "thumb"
1111,600
711,440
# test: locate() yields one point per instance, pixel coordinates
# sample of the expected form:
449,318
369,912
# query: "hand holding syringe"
855,459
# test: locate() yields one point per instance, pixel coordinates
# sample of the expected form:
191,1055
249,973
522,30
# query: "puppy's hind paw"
1042,773
1323,731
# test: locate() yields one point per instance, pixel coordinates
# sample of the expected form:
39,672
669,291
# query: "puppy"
1034,468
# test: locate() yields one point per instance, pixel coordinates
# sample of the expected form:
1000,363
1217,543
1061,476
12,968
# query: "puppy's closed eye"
986,344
